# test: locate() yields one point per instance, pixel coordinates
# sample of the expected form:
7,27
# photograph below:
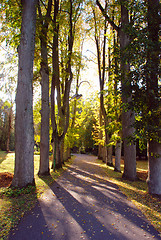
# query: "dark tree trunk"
62,101
55,87
117,114
100,147
118,156
24,131
44,140
128,117
9,130
106,153
154,150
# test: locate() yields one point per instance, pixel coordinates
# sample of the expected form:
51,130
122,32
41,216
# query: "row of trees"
126,35
57,61
137,66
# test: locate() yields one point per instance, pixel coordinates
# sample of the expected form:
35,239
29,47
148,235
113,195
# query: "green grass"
137,192
15,202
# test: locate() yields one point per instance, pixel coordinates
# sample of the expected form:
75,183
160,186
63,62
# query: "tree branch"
107,17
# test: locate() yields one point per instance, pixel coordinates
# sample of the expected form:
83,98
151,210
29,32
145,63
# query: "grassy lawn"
14,203
137,192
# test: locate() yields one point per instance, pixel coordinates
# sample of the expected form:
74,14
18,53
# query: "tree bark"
24,131
55,86
62,101
128,117
117,113
108,137
100,147
57,154
109,156
44,140
118,156
154,168
106,150
9,129
154,151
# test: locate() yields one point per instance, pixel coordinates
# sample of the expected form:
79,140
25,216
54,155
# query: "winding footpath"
84,204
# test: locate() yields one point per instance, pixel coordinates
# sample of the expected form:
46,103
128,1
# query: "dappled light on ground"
137,192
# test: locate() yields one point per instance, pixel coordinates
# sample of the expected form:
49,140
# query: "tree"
153,98
101,71
100,27
44,140
128,117
62,73
24,133
82,135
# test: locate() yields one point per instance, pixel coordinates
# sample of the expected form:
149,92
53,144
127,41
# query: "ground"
142,175
83,203
6,178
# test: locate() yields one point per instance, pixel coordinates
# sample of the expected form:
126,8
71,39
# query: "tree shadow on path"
82,205
110,206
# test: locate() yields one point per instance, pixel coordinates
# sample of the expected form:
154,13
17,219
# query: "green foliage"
146,126
15,192
37,121
6,115
82,134
11,22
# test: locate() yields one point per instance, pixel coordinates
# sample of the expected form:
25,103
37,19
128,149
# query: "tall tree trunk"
117,114
118,156
24,131
63,104
57,163
44,140
154,168
109,156
55,86
154,151
9,129
108,137
106,152
128,117
100,147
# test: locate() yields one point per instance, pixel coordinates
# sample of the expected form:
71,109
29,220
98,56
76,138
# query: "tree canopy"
127,107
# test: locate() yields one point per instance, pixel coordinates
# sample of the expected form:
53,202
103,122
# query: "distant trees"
83,135
108,66
7,142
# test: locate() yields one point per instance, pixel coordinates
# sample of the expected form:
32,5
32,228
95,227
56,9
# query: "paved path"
83,204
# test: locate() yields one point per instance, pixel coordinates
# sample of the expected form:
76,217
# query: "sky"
88,79
7,75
